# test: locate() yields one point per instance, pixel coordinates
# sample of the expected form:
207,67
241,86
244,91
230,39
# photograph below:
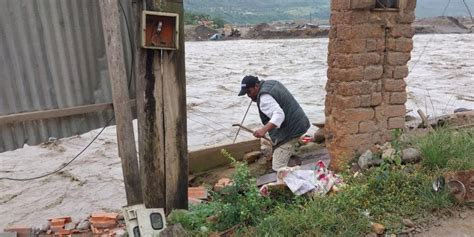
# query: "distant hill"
431,8
258,11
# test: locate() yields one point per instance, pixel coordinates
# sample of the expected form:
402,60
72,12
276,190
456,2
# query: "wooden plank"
123,113
53,113
175,116
176,162
140,85
150,117
210,158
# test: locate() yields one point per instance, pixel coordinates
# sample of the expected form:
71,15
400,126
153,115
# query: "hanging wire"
468,10
429,41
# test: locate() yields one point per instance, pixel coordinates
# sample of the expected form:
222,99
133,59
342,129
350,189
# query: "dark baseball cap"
247,82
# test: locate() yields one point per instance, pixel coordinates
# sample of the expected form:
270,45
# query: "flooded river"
441,79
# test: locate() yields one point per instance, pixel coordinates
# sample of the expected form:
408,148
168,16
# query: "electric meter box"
151,221
160,30
144,222
130,214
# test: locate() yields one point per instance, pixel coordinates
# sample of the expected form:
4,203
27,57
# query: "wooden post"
161,106
123,113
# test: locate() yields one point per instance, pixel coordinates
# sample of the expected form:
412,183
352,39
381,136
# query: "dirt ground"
458,225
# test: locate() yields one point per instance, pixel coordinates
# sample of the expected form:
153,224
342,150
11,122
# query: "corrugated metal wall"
52,56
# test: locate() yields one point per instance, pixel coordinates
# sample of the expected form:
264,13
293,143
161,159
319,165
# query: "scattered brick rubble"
98,224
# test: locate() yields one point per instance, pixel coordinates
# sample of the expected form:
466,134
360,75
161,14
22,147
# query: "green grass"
447,149
382,197
385,195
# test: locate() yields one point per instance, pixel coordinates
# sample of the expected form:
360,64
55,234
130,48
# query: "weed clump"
447,149
238,204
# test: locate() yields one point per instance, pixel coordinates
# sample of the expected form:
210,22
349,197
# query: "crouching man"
282,117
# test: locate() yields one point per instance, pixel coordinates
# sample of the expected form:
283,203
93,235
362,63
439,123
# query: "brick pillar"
368,53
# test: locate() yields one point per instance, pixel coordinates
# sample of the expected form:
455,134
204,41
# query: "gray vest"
295,124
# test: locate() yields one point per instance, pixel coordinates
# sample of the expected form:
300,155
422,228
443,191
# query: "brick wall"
368,53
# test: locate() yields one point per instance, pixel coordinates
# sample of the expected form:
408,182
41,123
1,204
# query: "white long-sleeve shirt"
272,109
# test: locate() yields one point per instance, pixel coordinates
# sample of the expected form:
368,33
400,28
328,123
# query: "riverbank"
302,30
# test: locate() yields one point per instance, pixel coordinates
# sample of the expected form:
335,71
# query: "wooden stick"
249,130
424,119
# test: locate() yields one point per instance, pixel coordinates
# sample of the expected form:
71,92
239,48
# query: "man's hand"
260,133
263,131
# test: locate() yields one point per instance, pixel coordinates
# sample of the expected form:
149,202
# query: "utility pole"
161,109
123,113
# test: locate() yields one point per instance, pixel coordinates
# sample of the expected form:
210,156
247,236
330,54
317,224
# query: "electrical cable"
64,165
106,125
212,121
468,10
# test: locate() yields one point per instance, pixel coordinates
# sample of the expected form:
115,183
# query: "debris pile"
318,181
98,224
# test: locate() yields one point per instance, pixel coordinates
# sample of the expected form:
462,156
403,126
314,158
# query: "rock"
371,235
365,160
459,110
388,153
211,219
84,225
378,228
368,159
319,136
43,228
355,168
410,118
408,223
174,230
411,155
70,226
251,157
222,183
120,233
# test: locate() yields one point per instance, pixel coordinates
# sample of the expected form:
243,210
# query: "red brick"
347,101
376,98
103,220
400,72
396,123
21,231
398,98
367,127
349,74
404,30
397,85
339,5
373,72
397,58
197,192
364,59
